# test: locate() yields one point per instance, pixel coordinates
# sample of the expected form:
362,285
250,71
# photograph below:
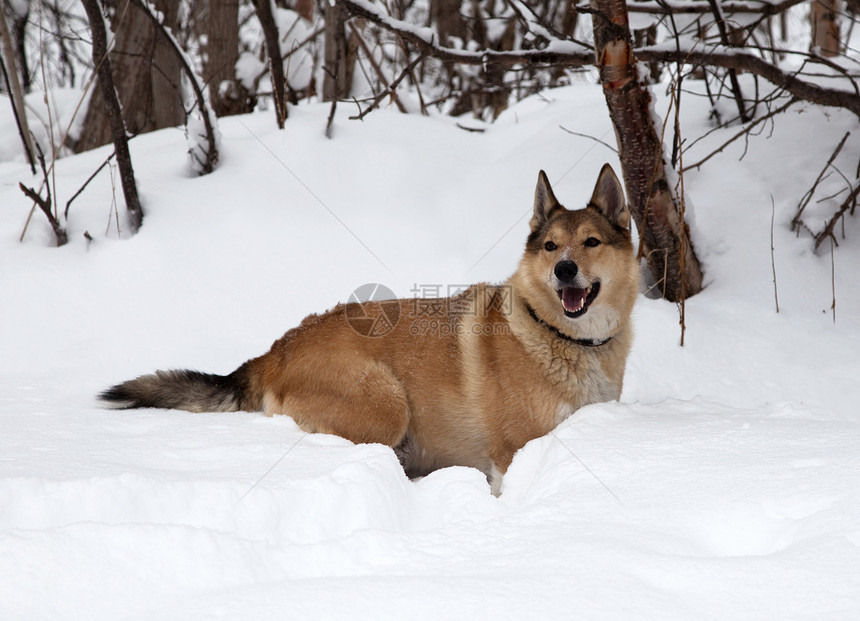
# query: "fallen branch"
850,203
46,203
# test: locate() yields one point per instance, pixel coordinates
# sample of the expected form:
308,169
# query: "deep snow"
725,484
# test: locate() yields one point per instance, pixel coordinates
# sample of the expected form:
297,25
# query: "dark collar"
562,335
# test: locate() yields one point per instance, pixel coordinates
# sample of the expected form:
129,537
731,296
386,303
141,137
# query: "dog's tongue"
573,299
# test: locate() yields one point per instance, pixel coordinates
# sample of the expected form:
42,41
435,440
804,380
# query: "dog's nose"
565,271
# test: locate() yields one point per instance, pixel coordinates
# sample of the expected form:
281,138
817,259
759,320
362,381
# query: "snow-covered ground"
725,484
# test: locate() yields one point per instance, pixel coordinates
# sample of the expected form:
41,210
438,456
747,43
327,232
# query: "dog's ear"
545,202
608,198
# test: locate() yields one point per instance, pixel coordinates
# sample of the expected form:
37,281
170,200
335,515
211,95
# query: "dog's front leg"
495,480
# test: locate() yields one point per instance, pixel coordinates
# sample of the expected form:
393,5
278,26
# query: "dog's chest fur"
527,381
579,375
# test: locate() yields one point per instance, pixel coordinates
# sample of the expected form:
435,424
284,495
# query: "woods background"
143,65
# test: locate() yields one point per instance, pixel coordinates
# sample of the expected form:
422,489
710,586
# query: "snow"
724,484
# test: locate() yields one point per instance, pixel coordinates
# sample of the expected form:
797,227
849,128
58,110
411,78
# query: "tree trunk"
445,15
276,61
19,28
340,54
12,78
825,27
113,112
305,8
226,94
147,76
204,153
664,236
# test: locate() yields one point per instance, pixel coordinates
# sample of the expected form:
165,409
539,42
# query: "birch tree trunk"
664,236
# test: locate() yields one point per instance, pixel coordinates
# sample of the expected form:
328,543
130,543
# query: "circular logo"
373,310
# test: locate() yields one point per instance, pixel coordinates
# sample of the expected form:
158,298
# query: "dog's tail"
188,390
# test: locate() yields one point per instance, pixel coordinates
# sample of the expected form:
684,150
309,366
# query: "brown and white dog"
465,380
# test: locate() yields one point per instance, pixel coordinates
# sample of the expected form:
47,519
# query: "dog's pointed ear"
545,202
608,198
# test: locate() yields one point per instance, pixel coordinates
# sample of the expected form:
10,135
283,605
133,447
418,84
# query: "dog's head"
579,271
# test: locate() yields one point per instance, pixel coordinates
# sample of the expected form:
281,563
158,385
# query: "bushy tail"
186,390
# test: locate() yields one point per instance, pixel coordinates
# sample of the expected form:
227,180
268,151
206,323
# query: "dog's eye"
550,246
591,242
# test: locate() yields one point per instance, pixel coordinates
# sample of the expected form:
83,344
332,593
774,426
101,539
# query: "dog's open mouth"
576,301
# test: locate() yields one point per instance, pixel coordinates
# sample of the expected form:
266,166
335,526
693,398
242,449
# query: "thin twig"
390,89
86,183
376,68
795,222
733,75
772,258
833,277
744,132
682,203
597,140
330,122
850,203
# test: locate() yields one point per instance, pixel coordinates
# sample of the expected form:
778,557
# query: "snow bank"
723,485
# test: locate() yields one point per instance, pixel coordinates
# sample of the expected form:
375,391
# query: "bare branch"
796,221
692,7
565,52
729,58
425,40
391,89
86,183
849,204
597,140
375,65
744,132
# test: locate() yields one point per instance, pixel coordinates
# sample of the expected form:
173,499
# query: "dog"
465,380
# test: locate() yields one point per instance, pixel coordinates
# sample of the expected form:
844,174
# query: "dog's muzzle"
575,300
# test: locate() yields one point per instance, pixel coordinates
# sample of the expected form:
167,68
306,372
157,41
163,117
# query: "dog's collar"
562,335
